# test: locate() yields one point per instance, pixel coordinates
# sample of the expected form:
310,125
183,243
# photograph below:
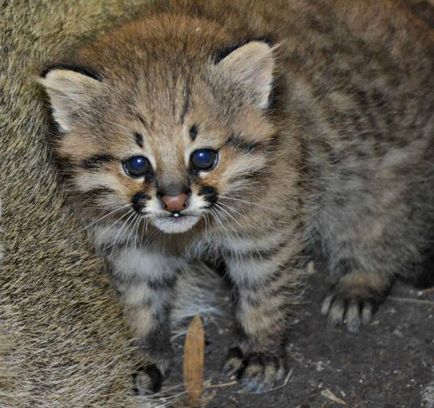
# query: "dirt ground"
390,364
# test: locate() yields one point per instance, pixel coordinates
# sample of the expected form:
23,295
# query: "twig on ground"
327,393
223,385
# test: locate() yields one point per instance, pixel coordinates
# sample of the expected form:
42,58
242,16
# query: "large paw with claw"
346,311
353,300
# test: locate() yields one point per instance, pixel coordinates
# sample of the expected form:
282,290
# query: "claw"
256,372
326,305
352,317
336,312
352,312
367,311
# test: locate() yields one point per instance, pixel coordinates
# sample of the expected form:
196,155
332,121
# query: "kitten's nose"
174,203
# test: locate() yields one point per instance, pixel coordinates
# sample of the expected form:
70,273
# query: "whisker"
220,222
136,232
105,216
96,239
125,224
226,211
131,229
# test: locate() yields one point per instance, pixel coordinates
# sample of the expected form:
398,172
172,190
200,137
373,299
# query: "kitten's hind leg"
367,248
371,231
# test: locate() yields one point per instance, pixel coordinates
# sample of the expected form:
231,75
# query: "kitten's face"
173,148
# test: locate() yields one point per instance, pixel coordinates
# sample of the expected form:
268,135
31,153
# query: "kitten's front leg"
265,287
145,282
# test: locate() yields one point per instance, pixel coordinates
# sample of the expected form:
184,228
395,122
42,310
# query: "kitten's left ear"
69,90
252,65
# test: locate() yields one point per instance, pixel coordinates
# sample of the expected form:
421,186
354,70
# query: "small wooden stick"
194,362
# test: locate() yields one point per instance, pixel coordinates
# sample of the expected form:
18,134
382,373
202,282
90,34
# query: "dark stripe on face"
187,104
243,145
143,121
97,193
251,176
138,200
139,139
193,133
96,161
210,194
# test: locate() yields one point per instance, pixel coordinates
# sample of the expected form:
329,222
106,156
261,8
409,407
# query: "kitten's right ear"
251,65
69,90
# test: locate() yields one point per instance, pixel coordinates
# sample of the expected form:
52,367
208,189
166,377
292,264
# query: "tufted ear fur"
69,91
252,65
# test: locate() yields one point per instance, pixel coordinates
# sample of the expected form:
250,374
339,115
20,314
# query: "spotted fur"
325,141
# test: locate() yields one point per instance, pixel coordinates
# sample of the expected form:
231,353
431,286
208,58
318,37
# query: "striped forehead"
163,100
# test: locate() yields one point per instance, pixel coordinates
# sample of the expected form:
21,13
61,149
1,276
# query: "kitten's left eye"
203,159
137,166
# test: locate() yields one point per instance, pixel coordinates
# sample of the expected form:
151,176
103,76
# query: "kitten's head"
153,120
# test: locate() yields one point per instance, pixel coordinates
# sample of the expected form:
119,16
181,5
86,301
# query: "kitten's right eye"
137,166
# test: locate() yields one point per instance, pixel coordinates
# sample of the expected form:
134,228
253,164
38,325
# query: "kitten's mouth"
176,223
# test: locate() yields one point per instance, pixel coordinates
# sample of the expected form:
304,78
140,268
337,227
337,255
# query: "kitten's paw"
257,372
350,312
149,378
155,360
351,302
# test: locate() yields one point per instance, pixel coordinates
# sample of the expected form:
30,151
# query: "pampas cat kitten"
253,133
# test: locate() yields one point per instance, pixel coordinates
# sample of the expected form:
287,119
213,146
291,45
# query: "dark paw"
257,372
149,378
353,313
154,369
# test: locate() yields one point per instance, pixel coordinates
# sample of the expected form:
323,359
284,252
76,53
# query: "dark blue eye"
137,166
203,159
